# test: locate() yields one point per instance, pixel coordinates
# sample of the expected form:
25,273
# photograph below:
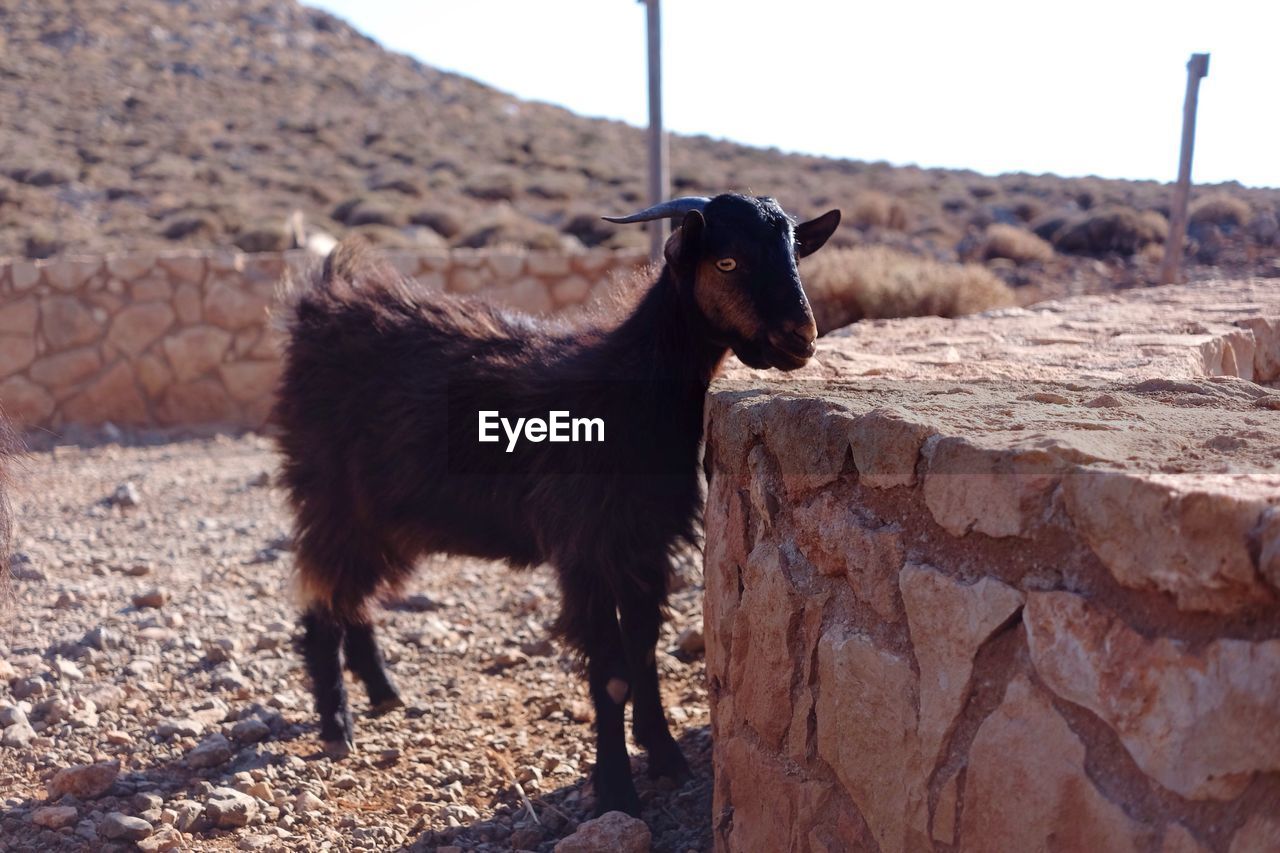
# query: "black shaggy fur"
377,457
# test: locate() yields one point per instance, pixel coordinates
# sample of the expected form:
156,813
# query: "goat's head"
737,256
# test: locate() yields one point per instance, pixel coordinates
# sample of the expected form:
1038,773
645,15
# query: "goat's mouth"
761,356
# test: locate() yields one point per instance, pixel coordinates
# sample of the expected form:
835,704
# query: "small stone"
579,711
68,670
146,801
419,603
12,715
211,752
18,736
308,803
165,838
229,809
121,826
250,730
100,638
154,598
84,781
691,642
183,727
538,648
54,817
188,812
612,831
138,570
510,658
22,568
30,688
126,496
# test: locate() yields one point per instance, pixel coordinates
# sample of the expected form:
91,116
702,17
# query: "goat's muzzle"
793,345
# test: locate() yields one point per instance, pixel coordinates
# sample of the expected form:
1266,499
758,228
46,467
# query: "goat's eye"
726,265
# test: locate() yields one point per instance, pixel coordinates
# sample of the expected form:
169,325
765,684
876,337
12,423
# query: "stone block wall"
183,338
1006,583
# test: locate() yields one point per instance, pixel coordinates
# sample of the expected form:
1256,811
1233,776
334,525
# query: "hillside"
154,123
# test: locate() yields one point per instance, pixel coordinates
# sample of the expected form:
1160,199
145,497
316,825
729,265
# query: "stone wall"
183,338
1005,583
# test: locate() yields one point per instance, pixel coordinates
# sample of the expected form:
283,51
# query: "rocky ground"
150,693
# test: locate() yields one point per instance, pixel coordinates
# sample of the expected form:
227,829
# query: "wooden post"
1197,68
659,179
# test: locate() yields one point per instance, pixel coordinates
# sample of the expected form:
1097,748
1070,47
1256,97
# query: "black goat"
378,412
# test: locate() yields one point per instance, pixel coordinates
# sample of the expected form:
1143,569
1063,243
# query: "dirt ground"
161,636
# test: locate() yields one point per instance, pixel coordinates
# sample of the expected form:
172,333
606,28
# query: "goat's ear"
681,250
812,235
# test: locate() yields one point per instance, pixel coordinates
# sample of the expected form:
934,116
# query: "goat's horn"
673,209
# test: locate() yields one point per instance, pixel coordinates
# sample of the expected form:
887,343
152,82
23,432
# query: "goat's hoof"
386,706
618,801
668,762
338,749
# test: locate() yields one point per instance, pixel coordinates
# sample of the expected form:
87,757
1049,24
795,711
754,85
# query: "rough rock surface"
1003,583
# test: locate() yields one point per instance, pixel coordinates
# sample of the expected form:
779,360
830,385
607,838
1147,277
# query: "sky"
1077,88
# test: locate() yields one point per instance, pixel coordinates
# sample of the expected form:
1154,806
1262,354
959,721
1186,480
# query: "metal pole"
1197,67
659,179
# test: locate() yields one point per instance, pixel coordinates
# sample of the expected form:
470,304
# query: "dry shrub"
1017,244
872,209
1221,210
507,227
445,221
876,282
1109,230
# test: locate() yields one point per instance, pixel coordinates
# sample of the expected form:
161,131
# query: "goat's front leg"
641,621
589,622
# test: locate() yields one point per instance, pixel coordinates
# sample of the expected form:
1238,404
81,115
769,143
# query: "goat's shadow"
679,816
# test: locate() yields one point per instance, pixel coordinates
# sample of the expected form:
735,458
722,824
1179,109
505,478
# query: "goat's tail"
351,261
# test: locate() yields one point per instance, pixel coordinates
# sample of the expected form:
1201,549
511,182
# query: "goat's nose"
796,337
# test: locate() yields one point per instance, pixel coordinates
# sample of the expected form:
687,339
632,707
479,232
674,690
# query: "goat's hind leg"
364,658
641,622
322,640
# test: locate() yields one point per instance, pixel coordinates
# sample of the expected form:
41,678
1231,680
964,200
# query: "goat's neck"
666,341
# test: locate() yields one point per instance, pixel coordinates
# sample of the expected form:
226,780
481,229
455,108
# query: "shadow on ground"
679,817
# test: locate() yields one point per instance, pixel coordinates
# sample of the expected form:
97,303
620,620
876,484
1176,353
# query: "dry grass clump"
1017,244
876,282
507,227
1221,210
1109,231
873,209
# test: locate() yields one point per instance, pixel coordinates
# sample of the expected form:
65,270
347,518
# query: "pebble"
154,598
211,752
100,638
188,812
308,803
84,781
419,603
228,808
121,826
612,831
29,688
691,642
184,727
249,730
126,495
54,817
